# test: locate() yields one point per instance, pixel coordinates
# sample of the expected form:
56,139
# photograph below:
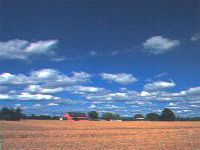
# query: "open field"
35,134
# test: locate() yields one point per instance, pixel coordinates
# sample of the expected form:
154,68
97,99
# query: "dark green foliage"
11,114
56,118
117,117
152,117
139,116
64,118
167,115
188,119
93,115
6,117
108,116
41,117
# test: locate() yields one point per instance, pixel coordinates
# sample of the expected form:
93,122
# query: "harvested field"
35,134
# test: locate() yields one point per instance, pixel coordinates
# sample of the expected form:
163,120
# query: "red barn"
75,116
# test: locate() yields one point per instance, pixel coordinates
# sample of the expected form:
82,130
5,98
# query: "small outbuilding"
76,116
140,119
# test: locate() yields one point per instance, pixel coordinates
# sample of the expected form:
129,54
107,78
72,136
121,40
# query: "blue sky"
125,57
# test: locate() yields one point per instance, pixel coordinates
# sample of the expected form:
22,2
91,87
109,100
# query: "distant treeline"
167,115
15,115
43,117
177,119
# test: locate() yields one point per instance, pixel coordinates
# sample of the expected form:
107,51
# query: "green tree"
6,117
18,113
167,115
152,117
117,117
11,114
108,116
5,111
93,115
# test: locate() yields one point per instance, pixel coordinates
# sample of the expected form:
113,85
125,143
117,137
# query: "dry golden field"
66,135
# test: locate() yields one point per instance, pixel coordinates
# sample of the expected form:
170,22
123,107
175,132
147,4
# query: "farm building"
140,119
76,116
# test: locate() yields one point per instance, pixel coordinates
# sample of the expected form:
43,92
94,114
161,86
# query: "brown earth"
100,135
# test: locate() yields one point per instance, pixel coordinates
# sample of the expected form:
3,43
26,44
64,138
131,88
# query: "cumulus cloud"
192,91
48,77
53,78
41,47
81,77
22,49
4,97
86,90
160,45
7,79
122,78
28,96
158,86
117,97
39,89
42,84
144,93
45,74
195,37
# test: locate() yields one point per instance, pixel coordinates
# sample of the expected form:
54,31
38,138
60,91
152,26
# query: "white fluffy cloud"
48,77
4,96
81,77
39,89
160,45
22,49
192,91
28,96
53,78
41,47
7,79
122,78
83,90
117,97
158,86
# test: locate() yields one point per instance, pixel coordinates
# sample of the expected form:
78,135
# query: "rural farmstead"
75,116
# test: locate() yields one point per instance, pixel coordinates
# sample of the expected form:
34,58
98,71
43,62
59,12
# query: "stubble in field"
34,134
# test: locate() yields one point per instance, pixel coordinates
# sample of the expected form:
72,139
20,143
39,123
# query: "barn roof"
76,114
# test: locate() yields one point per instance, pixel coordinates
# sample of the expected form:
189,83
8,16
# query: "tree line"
167,115
15,115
